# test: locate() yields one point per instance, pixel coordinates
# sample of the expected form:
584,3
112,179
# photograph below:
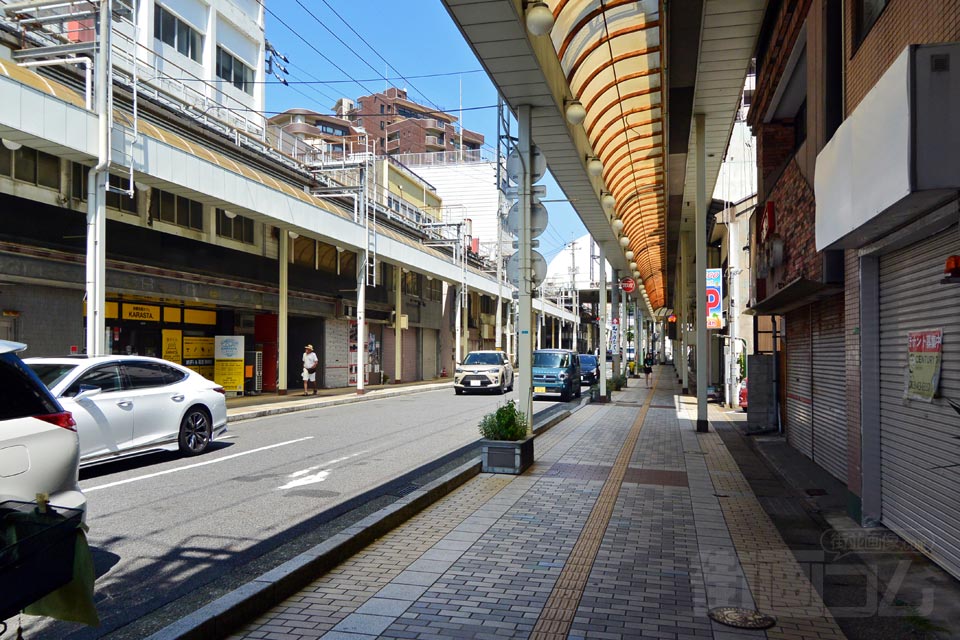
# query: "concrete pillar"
397,330
602,307
615,313
682,317
282,313
701,267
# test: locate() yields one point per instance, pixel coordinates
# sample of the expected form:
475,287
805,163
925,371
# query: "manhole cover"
742,618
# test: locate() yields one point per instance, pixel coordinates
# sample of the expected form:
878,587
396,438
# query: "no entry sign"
628,285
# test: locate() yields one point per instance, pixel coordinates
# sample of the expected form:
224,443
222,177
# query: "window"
381,125
145,375
867,13
326,128
411,283
119,201
51,374
22,397
382,108
434,290
105,377
173,31
238,228
234,71
176,210
29,165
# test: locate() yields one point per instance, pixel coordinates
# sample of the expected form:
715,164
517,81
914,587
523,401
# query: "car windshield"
50,374
588,362
482,358
547,359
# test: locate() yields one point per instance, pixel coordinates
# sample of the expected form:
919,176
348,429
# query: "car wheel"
579,391
503,386
458,391
195,432
565,396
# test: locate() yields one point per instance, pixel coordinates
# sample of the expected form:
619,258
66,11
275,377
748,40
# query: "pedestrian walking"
310,362
648,367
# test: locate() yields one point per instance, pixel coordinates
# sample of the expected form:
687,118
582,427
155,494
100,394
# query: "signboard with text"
198,355
228,362
714,298
924,356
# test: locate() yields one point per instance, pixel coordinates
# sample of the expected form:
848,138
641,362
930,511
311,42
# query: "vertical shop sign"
357,358
924,356
228,362
714,299
173,345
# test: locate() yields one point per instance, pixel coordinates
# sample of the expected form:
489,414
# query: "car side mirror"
87,391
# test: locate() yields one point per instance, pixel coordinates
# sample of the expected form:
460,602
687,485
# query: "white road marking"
194,466
307,476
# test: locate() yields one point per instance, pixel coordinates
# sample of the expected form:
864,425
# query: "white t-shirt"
309,360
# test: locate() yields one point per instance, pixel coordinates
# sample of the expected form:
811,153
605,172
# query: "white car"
132,405
39,452
484,371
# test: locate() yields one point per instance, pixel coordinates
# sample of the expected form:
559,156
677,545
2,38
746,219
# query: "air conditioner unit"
404,320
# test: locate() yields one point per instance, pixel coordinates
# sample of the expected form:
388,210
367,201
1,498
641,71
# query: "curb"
224,615
306,405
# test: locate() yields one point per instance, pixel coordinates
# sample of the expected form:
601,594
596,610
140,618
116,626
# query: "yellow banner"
195,316
198,355
141,312
173,345
229,374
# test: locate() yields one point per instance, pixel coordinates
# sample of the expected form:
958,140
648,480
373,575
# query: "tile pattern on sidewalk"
628,525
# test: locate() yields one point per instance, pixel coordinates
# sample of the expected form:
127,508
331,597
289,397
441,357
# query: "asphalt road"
162,526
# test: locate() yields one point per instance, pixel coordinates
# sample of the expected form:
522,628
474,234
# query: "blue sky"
418,39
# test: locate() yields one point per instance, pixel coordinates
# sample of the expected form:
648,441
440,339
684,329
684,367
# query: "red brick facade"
794,212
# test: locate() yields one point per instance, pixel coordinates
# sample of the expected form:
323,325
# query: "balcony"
432,124
434,143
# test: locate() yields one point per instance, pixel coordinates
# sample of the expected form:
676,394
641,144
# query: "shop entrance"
135,338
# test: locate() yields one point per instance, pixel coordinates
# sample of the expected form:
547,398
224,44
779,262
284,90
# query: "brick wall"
336,353
903,22
786,29
852,359
795,214
774,147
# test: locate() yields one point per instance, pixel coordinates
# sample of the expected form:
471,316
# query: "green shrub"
613,384
506,423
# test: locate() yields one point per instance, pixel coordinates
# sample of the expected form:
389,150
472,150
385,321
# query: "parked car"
484,371
556,371
589,369
743,394
132,405
39,449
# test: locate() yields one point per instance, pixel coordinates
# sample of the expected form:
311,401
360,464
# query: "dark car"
589,369
556,371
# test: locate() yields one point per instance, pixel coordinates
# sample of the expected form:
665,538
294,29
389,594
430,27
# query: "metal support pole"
701,266
602,308
282,350
525,346
682,317
458,325
362,323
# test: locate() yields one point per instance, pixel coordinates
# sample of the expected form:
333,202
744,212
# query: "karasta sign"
924,356
714,299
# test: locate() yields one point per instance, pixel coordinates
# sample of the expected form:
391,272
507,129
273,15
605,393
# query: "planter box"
505,456
36,553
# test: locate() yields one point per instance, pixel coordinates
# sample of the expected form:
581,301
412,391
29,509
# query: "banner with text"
924,356
714,298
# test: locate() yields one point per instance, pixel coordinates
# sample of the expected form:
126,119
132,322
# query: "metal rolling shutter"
799,373
430,369
919,449
829,388
410,354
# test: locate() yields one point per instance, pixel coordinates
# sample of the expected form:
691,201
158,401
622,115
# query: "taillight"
220,390
63,419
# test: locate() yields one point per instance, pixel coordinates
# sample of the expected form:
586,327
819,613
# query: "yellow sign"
171,314
198,355
195,316
141,312
173,345
228,367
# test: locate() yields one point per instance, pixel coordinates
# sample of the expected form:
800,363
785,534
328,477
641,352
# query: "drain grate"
404,490
742,618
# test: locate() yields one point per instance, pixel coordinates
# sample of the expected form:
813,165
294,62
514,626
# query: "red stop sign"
628,285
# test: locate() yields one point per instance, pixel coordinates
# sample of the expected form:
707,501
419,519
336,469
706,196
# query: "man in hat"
310,362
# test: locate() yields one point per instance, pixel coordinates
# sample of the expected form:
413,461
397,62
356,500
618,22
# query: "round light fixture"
624,242
629,255
229,214
539,18
617,225
293,235
594,167
12,145
633,266
636,274
575,112
607,201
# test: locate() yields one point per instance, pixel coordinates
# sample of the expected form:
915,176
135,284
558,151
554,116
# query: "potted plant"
506,446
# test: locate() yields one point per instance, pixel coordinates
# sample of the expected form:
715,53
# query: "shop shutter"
829,387
799,372
430,369
410,356
919,445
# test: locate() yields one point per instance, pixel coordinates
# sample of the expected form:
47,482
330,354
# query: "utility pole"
573,292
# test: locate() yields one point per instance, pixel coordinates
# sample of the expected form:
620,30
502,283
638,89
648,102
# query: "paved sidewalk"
629,525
